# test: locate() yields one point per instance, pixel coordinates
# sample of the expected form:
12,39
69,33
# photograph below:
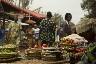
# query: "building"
10,11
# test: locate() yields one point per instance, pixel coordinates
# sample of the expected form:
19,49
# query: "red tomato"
44,45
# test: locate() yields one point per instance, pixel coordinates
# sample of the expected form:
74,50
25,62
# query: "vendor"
14,28
29,36
47,30
67,27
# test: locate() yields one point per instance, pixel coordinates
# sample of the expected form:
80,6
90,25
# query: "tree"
11,0
90,6
58,19
22,3
25,3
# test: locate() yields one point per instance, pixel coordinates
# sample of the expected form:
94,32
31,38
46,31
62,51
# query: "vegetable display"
8,51
74,45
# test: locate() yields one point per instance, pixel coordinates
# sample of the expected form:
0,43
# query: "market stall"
8,53
73,47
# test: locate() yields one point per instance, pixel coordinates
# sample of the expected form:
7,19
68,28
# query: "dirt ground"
34,61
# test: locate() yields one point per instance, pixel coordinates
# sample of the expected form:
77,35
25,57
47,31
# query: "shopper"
47,30
36,35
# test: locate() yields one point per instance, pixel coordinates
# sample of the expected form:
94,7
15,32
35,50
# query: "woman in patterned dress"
47,30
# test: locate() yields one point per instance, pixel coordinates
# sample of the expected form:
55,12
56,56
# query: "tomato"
44,45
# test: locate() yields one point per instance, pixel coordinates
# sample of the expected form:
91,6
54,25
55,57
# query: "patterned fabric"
14,31
47,30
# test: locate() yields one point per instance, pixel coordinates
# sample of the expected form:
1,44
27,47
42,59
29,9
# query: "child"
36,34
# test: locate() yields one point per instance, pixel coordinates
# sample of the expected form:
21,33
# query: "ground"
34,61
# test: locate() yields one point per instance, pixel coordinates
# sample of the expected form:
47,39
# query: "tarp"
2,35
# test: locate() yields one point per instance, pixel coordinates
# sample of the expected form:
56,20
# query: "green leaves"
22,3
90,6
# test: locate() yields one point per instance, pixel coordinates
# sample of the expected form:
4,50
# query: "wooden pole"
3,22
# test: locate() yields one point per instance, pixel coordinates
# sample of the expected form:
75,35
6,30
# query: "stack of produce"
73,39
8,46
8,52
74,44
32,53
51,54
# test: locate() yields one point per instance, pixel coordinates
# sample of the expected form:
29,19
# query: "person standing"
66,27
47,30
36,31
29,36
14,29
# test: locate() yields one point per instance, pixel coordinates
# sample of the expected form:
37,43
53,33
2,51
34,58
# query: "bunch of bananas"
68,41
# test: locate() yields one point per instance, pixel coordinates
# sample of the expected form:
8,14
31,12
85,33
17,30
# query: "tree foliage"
22,3
90,6
57,18
25,3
